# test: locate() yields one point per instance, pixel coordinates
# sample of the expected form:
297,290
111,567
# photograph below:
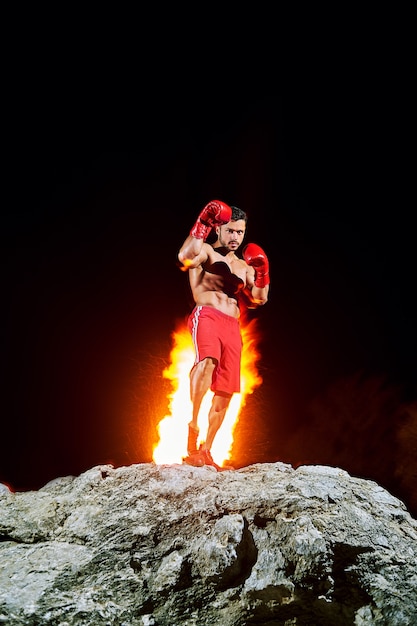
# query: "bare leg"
200,380
217,414
192,440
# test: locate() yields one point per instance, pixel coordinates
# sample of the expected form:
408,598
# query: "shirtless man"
219,280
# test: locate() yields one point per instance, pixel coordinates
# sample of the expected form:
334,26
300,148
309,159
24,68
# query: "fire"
173,428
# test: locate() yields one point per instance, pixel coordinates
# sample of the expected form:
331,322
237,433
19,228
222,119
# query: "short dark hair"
238,214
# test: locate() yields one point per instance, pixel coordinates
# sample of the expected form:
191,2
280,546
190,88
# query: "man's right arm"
193,251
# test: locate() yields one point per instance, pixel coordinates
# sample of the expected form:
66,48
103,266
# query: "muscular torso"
218,281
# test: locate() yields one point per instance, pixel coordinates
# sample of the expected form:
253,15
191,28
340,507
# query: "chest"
229,263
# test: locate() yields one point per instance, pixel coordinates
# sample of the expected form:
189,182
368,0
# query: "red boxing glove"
215,213
256,257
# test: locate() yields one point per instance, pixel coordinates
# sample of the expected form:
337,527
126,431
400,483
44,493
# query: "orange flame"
173,428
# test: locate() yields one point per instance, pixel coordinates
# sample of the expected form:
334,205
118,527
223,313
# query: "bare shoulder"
212,254
248,271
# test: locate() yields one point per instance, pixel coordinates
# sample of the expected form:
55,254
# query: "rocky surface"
176,545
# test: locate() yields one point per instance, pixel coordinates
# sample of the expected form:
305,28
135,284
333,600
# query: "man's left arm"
258,277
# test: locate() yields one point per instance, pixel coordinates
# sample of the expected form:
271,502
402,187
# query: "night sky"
92,291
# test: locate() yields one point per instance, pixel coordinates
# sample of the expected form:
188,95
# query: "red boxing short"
217,335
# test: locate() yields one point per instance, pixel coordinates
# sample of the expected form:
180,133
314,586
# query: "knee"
220,402
204,368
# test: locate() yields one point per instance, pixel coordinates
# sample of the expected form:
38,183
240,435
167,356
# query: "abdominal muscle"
219,301
208,290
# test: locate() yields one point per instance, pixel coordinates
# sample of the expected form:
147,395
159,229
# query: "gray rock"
174,545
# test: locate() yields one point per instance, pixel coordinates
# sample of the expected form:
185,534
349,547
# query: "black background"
92,291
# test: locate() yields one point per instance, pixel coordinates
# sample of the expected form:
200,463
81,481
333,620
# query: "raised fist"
256,258
215,213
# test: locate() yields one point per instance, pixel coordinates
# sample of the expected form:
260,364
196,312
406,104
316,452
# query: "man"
219,280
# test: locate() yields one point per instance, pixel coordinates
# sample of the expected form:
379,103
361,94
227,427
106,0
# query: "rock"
176,545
